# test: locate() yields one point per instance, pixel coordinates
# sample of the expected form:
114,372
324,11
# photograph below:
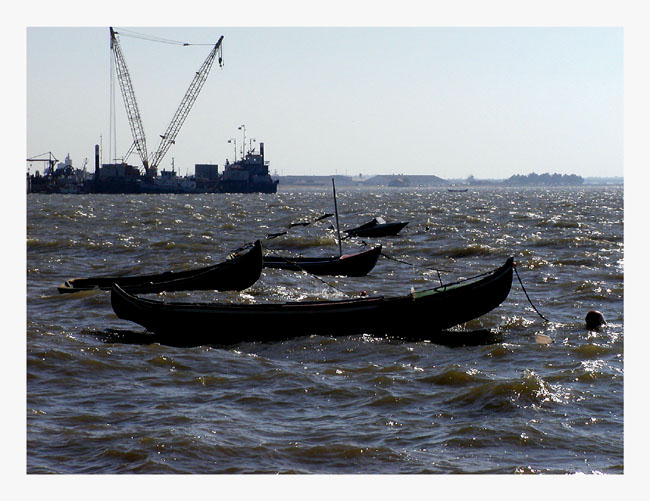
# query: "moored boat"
358,264
237,273
377,227
415,316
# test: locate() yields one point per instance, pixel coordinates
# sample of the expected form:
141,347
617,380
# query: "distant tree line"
544,180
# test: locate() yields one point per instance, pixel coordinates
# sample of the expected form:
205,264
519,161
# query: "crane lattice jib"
183,110
131,105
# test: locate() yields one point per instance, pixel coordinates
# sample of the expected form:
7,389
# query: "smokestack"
96,162
262,151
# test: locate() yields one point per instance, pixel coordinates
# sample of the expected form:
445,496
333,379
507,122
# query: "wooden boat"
377,228
350,265
237,273
416,316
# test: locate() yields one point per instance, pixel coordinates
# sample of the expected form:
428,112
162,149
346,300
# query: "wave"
163,244
454,376
35,244
391,401
530,389
167,363
347,452
559,223
593,350
467,251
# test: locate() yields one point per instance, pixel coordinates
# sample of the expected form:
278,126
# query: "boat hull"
378,230
417,316
236,274
245,187
351,265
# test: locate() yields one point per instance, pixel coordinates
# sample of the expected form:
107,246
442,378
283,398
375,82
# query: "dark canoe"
236,273
375,228
416,316
350,265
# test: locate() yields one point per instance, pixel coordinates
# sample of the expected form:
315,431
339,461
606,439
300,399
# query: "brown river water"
101,402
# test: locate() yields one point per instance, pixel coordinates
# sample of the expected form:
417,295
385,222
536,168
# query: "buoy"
594,320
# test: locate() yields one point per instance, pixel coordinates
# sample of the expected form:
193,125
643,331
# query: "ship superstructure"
248,175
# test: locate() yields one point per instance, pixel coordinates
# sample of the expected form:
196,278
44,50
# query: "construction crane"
133,113
51,160
130,103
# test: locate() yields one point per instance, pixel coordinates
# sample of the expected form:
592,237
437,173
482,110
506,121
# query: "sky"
446,101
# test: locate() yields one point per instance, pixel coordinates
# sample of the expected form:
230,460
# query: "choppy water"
97,404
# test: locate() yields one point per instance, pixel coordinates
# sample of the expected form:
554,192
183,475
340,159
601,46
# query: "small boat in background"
432,311
457,190
350,265
377,227
357,264
234,274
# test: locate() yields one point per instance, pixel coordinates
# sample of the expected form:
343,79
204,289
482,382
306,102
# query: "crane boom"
169,137
51,160
131,105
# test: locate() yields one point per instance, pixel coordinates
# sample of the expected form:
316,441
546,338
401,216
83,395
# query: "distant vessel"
248,175
457,190
377,227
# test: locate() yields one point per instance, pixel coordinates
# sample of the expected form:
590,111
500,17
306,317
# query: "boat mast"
336,212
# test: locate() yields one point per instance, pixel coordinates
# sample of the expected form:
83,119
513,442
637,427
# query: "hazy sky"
453,102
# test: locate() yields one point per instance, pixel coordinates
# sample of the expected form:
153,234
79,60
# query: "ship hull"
243,187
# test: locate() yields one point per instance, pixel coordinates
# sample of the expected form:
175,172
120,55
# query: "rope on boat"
247,245
307,223
437,270
528,297
313,275
250,244
271,236
442,286
462,280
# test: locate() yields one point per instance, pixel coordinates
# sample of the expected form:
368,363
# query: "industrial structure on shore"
250,174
